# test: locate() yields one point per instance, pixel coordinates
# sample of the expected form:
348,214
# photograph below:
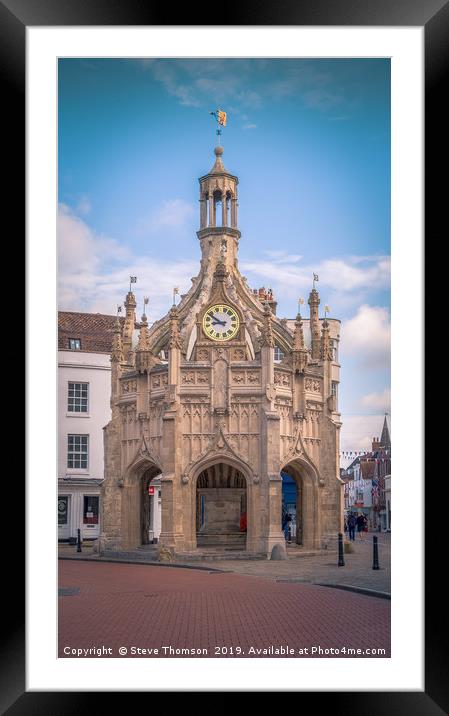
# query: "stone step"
217,556
223,540
143,555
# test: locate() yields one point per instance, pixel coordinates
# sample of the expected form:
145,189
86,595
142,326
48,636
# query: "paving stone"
150,606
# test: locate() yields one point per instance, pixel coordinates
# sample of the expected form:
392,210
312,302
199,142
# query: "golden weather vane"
221,118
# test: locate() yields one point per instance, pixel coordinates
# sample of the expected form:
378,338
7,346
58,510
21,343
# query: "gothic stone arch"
134,508
308,499
230,461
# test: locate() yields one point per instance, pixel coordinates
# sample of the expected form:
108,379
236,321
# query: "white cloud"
209,81
94,271
80,248
283,257
342,281
84,206
358,431
345,276
368,336
377,401
174,212
250,126
167,74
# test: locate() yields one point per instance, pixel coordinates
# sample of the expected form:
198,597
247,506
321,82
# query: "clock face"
220,322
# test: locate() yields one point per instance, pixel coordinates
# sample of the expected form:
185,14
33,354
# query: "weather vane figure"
220,116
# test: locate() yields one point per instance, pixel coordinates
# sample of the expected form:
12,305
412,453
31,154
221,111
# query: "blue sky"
310,142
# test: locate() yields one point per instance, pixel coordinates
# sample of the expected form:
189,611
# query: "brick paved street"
149,607
320,569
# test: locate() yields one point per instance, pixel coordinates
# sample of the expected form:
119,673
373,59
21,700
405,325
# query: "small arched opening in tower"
218,208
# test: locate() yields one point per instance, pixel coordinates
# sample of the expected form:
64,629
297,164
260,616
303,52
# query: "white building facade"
84,394
84,390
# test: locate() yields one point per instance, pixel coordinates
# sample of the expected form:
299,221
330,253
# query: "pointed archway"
135,511
150,514
221,507
307,513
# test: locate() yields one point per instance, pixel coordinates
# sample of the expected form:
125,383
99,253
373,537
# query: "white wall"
95,369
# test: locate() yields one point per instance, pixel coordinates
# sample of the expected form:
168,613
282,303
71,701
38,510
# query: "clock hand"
215,321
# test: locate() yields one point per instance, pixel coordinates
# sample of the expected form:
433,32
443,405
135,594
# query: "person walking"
361,525
286,519
351,526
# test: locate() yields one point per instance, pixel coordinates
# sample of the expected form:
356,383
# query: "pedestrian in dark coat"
351,526
361,525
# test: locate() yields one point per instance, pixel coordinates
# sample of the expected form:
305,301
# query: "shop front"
78,509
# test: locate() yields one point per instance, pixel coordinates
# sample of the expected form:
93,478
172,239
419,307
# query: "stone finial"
218,167
130,302
326,353
130,321
314,302
314,298
267,328
144,339
117,345
299,351
144,357
175,336
298,335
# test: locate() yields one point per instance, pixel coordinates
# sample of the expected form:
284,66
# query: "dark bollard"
375,553
341,559
78,542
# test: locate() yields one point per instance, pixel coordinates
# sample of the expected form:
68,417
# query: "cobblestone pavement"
106,606
323,568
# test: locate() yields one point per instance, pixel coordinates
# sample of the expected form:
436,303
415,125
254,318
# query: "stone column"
310,514
234,213
273,482
203,213
111,493
299,497
172,535
224,216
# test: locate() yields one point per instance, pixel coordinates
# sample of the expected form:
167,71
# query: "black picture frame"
433,16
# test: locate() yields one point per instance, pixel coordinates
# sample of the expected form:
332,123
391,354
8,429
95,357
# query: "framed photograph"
207,89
